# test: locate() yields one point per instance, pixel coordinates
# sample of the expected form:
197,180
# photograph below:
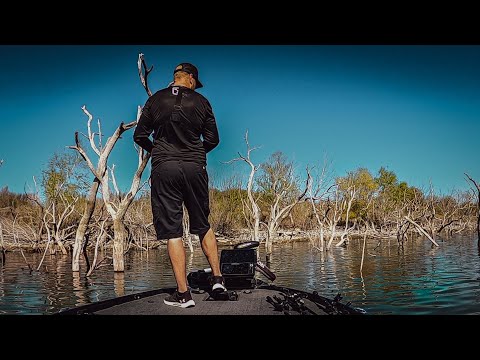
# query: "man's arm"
144,128
210,131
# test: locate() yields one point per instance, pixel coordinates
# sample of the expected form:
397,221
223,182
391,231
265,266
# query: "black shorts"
173,183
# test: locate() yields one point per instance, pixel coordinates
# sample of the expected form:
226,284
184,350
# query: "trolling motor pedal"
229,295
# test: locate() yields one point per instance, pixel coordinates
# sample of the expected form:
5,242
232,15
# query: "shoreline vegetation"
12,242
76,204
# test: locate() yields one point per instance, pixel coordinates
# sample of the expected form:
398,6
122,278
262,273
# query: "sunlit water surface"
415,279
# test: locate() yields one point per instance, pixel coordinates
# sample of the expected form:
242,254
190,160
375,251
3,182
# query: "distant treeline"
325,209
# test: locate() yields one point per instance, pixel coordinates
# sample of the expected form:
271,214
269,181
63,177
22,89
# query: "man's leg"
210,249
197,203
176,252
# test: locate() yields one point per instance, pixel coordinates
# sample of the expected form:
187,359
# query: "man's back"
178,117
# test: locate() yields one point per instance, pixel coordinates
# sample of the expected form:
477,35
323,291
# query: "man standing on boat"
180,118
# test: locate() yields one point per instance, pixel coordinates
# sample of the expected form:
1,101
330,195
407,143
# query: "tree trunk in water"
332,236
256,229
62,247
39,232
478,206
59,242
82,226
269,241
119,283
322,240
478,220
118,245
2,245
344,236
269,246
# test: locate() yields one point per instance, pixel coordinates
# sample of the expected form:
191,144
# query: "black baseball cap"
190,69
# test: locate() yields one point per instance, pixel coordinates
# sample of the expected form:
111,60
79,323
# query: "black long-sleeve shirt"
177,125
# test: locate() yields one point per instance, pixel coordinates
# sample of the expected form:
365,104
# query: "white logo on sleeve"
175,90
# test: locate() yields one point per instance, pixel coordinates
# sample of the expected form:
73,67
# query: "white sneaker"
218,284
183,300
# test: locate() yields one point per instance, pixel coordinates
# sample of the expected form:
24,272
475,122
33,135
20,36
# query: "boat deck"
249,302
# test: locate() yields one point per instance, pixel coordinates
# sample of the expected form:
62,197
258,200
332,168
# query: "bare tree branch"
473,181
421,230
48,242
100,134
144,79
99,237
114,181
478,206
91,136
116,211
253,208
84,155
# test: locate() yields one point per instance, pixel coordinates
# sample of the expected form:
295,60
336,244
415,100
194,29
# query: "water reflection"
119,283
414,279
79,286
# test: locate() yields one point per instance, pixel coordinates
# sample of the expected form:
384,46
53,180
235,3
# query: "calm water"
417,279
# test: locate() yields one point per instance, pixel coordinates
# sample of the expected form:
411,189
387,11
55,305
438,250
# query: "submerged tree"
251,209
477,188
318,187
100,173
118,208
279,192
358,189
101,176
348,188
62,187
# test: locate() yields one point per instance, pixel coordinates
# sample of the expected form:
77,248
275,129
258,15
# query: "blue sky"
413,109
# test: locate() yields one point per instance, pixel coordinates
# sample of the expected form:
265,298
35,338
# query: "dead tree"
251,208
450,213
279,212
99,171
34,196
421,230
57,217
348,199
84,221
61,197
15,240
417,213
477,187
402,225
430,213
45,223
280,193
117,210
100,238
335,209
2,245
317,196
138,221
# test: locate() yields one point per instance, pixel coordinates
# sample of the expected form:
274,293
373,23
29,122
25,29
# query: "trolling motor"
238,267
